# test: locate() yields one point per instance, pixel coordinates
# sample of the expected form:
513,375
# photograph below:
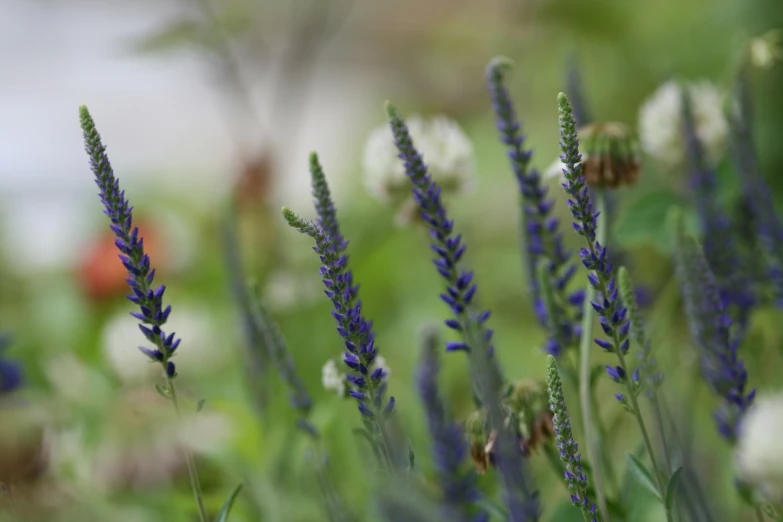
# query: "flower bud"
610,155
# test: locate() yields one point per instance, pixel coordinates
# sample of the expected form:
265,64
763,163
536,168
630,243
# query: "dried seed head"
610,155
543,431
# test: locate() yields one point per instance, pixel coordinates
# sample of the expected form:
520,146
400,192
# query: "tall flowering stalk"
151,314
716,225
368,387
448,246
449,447
542,237
710,327
575,478
521,498
612,315
765,224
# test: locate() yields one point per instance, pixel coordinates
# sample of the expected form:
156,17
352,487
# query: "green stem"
608,468
759,514
191,463
642,427
586,340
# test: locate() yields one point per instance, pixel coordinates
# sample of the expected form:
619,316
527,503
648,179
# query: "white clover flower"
660,123
332,379
759,453
121,337
765,50
447,152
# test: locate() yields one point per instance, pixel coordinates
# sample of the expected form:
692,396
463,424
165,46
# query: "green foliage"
226,509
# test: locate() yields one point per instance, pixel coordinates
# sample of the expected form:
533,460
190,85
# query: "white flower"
332,379
759,453
660,122
765,50
447,152
121,338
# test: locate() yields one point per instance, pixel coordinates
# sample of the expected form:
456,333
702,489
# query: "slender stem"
662,433
586,340
608,468
643,428
759,514
191,463
585,393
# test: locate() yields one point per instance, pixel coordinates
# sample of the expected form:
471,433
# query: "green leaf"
644,221
200,405
671,487
223,515
642,474
163,391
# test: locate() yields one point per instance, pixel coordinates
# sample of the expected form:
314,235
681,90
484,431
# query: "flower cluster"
447,148
612,315
542,238
575,478
717,229
710,327
661,123
356,331
761,222
151,312
449,448
446,244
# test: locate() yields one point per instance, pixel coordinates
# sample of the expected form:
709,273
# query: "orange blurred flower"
101,273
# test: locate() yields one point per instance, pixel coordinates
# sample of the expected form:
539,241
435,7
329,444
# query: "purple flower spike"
140,275
542,237
460,293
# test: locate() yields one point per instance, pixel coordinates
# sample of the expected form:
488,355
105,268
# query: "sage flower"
575,478
716,226
710,327
369,388
152,314
541,235
612,315
448,246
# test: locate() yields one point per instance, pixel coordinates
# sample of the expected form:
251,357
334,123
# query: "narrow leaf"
642,474
163,391
671,487
223,515
200,405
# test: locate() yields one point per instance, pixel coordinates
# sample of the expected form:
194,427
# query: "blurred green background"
206,103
